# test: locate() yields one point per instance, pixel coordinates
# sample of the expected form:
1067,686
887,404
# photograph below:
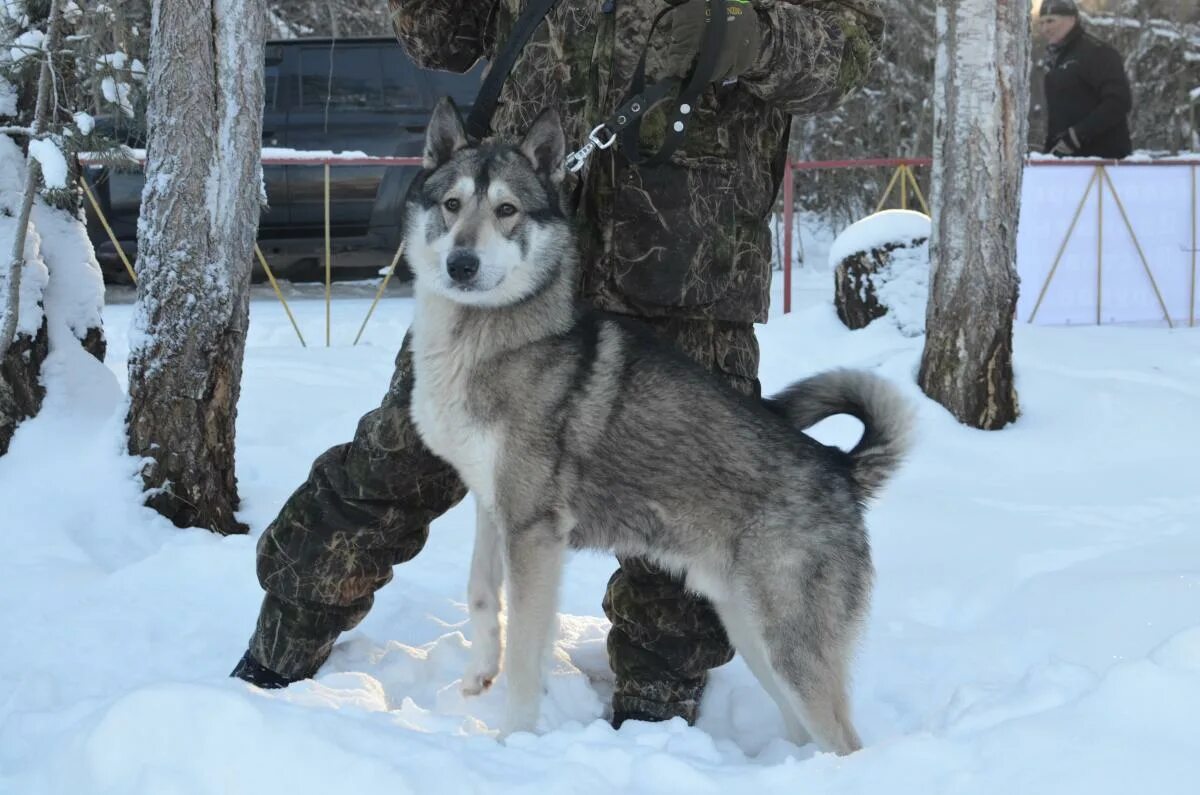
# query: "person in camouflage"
684,246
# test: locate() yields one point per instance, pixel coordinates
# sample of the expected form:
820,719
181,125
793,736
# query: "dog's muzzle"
462,266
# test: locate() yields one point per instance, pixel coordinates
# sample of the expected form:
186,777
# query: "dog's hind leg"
822,700
483,597
745,633
535,554
811,663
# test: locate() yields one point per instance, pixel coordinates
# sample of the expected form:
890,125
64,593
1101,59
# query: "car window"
270,87
401,88
274,57
340,78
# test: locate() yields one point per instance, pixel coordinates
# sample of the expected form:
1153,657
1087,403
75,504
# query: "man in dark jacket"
683,245
1087,91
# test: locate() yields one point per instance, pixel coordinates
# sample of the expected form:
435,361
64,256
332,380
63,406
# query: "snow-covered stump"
873,257
853,291
62,292
21,391
53,291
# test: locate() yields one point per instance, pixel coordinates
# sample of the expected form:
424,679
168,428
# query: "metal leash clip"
576,159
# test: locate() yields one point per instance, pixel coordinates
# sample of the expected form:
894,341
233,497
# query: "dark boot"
249,670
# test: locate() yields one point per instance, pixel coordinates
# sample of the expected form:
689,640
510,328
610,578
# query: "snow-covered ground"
1035,626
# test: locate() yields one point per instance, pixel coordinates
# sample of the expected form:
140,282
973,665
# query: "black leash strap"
625,122
479,122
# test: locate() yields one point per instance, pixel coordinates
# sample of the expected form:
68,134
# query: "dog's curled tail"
887,419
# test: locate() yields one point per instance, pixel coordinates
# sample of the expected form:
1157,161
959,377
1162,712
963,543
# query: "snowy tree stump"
868,252
21,391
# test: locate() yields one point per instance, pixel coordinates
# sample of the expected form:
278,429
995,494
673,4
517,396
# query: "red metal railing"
789,177
792,166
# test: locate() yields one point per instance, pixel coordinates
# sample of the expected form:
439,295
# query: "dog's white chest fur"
440,410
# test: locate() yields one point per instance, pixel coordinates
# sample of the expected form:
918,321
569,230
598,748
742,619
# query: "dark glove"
1067,144
739,50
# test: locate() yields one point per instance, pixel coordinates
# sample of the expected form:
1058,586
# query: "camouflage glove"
739,50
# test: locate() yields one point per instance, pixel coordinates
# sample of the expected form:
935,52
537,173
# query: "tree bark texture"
854,293
980,122
21,391
196,235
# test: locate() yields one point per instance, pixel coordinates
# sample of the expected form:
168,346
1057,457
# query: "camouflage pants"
367,506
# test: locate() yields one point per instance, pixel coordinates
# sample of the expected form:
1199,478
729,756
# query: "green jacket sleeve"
444,34
814,52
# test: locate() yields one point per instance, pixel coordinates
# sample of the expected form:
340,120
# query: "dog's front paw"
482,669
475,682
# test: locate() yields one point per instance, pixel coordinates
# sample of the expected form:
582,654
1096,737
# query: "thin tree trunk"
979,138
199,217
21,356
33,176
16,263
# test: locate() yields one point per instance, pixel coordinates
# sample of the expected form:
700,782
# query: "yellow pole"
1099,239
386,278
917,190
903,187
278,292
1145,264
888,191
1063,247
328,264
104,222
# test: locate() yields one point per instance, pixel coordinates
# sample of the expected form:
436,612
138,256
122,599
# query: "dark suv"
339,95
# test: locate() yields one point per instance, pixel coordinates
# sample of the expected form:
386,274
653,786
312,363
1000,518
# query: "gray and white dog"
575,429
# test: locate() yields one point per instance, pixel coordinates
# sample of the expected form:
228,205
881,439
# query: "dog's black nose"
462,265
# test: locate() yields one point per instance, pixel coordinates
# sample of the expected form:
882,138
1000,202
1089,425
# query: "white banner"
1100,275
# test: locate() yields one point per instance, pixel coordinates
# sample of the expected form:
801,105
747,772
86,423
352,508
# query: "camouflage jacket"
688,238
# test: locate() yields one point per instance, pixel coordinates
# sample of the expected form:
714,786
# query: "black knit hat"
1062,8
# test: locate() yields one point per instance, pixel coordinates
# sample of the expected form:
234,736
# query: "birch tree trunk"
196,235
980,100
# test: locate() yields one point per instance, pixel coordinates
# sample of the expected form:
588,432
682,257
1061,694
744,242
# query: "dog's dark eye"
506,210
452,205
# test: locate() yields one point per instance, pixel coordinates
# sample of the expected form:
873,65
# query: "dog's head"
485,224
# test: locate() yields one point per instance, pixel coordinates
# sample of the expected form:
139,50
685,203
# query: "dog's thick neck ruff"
495,269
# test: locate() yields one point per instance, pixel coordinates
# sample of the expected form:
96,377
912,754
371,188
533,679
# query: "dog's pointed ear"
545,146
445,134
